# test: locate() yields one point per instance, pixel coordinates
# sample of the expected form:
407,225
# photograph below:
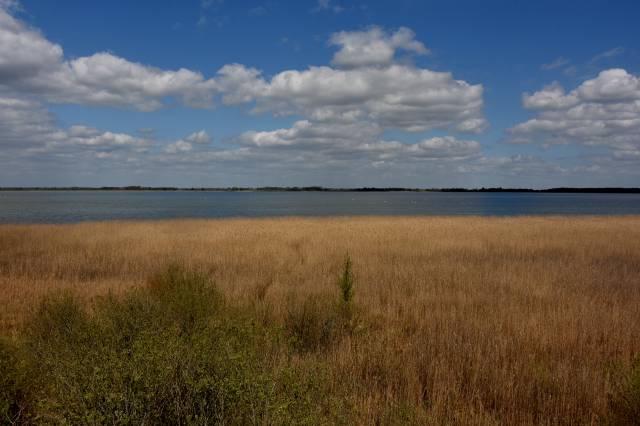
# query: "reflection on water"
74,206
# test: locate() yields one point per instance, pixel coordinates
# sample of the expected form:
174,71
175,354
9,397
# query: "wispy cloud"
616,51
326,5
208,11
13,5
202,22
294,45
556,63
258,11
570,71
206,4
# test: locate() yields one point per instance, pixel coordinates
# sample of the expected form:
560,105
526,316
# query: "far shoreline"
328,219
137,188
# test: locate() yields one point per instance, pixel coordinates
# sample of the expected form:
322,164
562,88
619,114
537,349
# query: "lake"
76,206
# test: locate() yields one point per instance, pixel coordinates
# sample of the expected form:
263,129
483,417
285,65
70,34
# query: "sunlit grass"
448,320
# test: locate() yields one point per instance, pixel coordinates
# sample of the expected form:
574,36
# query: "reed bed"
454,320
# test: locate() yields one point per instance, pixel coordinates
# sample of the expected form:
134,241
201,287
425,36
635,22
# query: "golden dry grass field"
466,320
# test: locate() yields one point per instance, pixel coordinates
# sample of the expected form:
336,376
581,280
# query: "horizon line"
314,188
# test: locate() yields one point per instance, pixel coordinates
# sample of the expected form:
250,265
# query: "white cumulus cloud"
200,137
29,63
603,111
398,96
374,47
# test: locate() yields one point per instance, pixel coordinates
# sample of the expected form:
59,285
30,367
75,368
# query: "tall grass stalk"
466,320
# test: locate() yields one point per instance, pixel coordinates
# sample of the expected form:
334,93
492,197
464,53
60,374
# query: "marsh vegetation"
308,321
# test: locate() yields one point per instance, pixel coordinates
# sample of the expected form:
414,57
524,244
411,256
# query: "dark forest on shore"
596,190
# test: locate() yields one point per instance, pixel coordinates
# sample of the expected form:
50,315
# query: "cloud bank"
372,115
601,112
31,64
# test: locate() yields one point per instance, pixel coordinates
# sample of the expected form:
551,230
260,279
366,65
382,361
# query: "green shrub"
60,319
345,307
319,322
12,385
314,324
171,353
624,404
346,282
187,298
403,414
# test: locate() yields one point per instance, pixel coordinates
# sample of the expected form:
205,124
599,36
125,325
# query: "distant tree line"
601,190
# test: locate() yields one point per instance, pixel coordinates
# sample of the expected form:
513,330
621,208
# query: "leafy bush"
624,405
171,353
319,322
346,282
12,385
313,325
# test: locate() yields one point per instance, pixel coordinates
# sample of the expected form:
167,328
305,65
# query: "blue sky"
411,93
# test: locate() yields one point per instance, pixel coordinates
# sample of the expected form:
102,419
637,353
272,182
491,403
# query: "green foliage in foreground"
319,322
172,353
624,405
175,352
12,384
346,282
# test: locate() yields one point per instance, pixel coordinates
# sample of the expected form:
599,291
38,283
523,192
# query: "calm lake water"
76,206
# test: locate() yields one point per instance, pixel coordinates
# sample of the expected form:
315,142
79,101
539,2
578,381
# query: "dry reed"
526,320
